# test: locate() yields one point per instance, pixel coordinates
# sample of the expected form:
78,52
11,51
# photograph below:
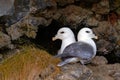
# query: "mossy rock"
28,63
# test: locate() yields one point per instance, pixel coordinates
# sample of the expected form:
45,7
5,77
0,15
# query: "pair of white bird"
83,50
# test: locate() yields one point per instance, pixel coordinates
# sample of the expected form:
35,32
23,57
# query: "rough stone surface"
105,72
74,15
21,9
27,26
42,4
118,11
4,39
102,7
106,48
21,18
92,21
6,7
34,13
74,72
1,57
77,71
64,2
107,36
14,32
99,60
114,4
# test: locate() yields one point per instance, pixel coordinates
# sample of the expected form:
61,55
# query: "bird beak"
95,37
54,38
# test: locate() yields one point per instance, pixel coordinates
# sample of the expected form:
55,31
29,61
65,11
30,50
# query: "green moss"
21,65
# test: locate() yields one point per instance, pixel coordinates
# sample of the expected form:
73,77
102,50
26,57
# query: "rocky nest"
35,22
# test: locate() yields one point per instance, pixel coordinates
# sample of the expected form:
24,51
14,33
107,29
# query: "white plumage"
83,50
66,35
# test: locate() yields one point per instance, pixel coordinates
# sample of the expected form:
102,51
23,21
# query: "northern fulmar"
66,35
84,50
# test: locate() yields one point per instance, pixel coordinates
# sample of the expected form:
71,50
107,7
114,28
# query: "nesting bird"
83,50
67,36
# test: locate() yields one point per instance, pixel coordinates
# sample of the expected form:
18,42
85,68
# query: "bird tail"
61,55
58,56
70,60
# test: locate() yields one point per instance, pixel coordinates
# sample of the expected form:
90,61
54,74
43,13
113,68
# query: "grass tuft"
26,64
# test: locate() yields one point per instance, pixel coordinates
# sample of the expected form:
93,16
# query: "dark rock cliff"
39,20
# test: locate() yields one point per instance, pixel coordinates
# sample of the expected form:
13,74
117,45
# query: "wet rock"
101,7
4,40
6,7
99,60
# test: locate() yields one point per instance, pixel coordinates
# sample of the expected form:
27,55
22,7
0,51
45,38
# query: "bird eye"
62,32
87,31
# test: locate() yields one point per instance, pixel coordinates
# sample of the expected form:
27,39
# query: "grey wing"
78,49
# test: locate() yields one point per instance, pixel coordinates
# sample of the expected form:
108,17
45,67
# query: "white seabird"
83,50
66,35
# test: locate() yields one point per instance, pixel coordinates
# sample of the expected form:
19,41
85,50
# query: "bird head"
86,33
63,33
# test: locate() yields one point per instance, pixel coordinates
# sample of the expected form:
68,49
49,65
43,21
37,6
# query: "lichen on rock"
25,18
4,39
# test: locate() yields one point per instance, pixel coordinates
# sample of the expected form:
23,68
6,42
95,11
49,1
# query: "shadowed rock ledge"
36,21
